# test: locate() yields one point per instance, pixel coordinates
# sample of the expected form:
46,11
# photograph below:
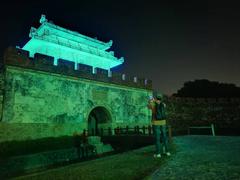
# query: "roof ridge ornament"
110,43
43,19
33,32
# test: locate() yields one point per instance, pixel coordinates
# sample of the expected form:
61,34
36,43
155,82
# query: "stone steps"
100,147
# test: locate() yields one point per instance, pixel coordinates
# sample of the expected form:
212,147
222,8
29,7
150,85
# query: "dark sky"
170,42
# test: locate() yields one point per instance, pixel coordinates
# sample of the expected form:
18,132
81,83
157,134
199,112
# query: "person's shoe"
168,153
157,155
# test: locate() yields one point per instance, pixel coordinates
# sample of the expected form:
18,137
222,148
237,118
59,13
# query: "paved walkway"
202,157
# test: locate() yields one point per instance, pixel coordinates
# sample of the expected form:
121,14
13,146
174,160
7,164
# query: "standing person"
159,124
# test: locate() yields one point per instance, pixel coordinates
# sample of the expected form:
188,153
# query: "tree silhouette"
208,89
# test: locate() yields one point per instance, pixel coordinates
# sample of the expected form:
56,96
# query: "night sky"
165,41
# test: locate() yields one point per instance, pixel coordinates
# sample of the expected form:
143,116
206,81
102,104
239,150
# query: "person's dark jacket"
160,111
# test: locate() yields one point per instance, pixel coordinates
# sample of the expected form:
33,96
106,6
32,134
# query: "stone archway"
97,117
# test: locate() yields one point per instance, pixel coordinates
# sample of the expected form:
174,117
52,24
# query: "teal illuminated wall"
40,103
41,97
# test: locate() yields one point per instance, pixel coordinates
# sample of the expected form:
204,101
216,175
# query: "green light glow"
61,43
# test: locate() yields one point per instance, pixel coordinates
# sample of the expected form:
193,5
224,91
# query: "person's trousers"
160,132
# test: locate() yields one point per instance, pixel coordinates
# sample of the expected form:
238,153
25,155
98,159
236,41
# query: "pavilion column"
31,54
76,66
55,61
109,73
94,70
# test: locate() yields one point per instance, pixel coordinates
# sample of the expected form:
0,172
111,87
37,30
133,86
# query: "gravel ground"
202,157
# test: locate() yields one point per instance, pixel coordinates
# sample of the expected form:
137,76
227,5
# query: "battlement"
20,58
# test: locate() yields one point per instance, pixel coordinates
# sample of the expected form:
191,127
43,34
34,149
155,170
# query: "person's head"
159,98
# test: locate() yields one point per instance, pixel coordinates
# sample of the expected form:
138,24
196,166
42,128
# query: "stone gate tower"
60,82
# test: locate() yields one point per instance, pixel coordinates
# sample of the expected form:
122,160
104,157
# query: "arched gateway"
97,118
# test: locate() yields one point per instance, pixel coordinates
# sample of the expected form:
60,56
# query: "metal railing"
211,127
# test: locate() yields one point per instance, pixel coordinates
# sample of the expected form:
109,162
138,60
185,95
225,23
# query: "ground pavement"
196,157
202,157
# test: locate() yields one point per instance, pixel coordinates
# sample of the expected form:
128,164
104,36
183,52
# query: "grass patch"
135,164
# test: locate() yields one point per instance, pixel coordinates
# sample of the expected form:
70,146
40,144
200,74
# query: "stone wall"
30,131
38,99
43,100
224,113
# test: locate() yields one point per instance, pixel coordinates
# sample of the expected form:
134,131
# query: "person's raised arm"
150,103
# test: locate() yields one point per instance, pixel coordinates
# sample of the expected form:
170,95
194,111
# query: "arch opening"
98,118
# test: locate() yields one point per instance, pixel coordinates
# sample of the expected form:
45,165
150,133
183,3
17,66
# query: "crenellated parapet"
20,58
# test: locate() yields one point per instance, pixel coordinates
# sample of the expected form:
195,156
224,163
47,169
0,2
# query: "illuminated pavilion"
60,43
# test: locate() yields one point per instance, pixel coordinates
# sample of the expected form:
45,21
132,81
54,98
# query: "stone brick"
65,67
18,60
101,75
85,68
44,63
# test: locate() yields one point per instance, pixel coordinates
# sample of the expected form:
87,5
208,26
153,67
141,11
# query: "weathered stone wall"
30,131
42,101
224,113
39,97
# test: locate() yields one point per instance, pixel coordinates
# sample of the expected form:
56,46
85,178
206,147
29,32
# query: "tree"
208,89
